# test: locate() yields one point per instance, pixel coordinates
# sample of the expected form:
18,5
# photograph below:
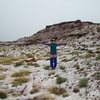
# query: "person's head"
53,41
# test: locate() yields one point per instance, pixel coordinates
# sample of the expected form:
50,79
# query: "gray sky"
20,18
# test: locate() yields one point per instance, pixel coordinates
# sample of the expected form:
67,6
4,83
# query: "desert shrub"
7,60
83,82
19,63
47,67
36,65
35,89
65,95
51,73
21,73
74,53
3,95
62,67
76,89
97,51
20,81
89,55
43,97
66,60
98,57
60,80
81,69
2,77
16,94
90,51
57,90
2,69
29,64
76,66
96,75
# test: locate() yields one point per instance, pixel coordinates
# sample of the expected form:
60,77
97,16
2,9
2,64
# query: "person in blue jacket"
53,52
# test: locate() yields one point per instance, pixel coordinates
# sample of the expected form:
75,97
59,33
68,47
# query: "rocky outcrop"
65,31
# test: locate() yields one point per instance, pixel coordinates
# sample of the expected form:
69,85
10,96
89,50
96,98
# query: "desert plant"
96,75
62,67
35,89
83,82
65,95
2,69
60,80
76,89
3,95
90,51
2,77
98,57
19,63
43,97
66,60
21,73
19,81
47,67
36,65
7,60
29,64
89,54
76,66
57,90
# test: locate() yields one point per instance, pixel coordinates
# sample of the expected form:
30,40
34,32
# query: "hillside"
25,72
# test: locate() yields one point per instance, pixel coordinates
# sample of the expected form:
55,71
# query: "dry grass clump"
21,73
47,67
43,97
76,66
20,81
35,89
18,63
36,65
2,77
96,75
7,60
2,69
57,90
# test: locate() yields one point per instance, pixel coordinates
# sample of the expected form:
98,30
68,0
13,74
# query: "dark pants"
53,62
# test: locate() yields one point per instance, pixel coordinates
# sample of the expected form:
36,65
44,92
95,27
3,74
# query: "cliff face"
65,31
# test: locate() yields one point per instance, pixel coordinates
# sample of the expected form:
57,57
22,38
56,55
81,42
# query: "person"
53,52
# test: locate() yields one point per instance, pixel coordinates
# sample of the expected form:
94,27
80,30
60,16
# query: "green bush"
98,57
65,95
60,80
83,82
21,73
57,90
3,95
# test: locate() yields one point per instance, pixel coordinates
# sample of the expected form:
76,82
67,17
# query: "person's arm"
61,44
45,43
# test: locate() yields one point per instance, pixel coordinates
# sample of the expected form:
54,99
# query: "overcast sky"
21,18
